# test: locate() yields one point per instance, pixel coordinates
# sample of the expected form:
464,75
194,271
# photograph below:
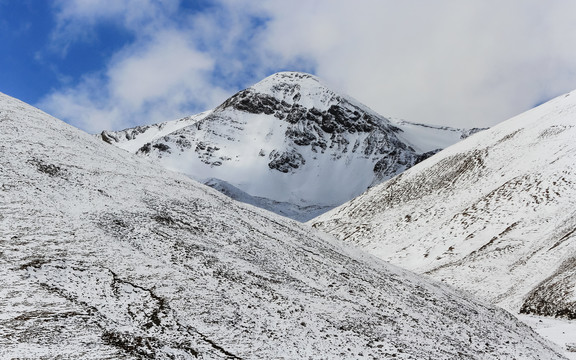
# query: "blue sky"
23,31
108,64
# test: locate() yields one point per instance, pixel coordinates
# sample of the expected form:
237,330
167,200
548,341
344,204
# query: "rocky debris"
285,161
43,167
145,149
161,147
112,137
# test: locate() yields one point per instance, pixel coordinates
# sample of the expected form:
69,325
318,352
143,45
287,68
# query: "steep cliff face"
493,214
290,139
107,255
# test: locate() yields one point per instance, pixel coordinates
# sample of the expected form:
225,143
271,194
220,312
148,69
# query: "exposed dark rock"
112,137
285,161
161,146
426,155
382,165
50,169
200,146
299,137
340,117
470,132
183,143
145,149
246,101
108,137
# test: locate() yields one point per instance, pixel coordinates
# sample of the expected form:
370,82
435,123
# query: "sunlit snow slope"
494,214
290,144
107,256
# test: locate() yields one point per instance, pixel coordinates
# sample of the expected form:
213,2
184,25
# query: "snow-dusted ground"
289,210
560,331
290,144
493,214
104,255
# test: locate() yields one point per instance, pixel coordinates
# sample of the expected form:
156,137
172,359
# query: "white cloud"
458,63
161,79
165,65
160,76
461,63
76,19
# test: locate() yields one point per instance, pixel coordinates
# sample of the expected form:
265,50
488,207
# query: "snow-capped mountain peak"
290,140
297,88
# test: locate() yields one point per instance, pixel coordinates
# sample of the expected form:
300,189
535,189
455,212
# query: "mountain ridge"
291,139
491,215
108,255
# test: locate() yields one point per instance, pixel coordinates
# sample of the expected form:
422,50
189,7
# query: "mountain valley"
105,255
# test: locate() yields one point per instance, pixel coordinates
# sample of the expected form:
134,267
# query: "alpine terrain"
494,214
288,144
105,255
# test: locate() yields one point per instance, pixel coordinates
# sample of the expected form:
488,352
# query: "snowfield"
105,255
559,331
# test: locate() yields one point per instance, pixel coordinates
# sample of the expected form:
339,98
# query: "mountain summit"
288,144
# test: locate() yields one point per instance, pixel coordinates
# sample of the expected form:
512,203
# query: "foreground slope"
289,144
105,255
493,214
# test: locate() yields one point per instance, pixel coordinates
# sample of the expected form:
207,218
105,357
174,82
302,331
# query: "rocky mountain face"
289,140
134,138
107,255
493,214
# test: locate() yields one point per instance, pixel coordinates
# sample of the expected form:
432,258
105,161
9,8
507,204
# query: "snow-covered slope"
109,256
292,141
298,213
425,138
558,330
494,214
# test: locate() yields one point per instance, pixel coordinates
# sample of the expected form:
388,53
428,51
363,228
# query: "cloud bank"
447,62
